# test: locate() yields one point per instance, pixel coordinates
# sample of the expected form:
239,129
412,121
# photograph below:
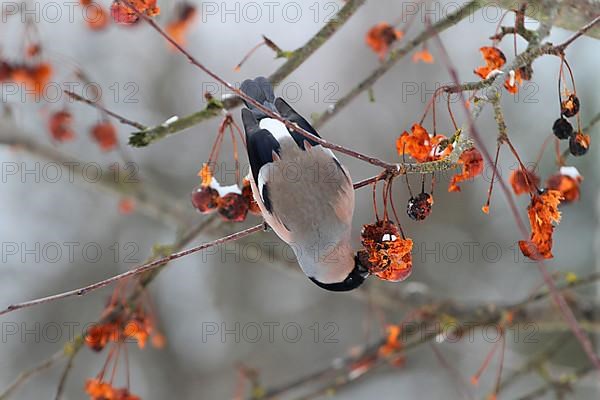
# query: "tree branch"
25,375
493,95
572,14
344,371
146,136
132,272
396,55
150,202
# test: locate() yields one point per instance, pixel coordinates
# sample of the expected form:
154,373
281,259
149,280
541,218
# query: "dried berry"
579,144
524,181
123,14
105,134
98,389
205,199
6,71
543,216
419,207
472,166
60,126
97,336
422,146
570,106
567,182
249,197
126,206
386,254
96,17
423,56
494,59
233,207
179,27
562,128
381,37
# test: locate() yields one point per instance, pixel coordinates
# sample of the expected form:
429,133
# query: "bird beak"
361,269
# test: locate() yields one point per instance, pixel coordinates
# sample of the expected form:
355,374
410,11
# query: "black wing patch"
291,115
265,197
341,169
259,142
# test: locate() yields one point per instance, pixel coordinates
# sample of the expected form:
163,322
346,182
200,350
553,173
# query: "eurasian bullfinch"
305,195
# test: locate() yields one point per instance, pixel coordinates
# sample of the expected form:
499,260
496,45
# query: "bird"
305,194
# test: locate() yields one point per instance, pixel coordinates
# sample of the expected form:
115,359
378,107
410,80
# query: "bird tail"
261,90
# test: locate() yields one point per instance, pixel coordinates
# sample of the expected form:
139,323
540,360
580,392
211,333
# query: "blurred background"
146,81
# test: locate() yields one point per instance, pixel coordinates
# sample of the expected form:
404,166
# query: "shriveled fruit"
562,128
570,106
419,207
249,197
233,207
579,144
205,199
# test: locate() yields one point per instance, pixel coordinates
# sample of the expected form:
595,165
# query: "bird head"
353,280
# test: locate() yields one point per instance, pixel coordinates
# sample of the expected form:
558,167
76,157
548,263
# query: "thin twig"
465,320
578,34
294,60
133,272
561,385
144,280
150,202
25,375
557,297
63,377
396,55
100,107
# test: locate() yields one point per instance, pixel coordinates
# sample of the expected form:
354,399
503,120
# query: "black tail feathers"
260,89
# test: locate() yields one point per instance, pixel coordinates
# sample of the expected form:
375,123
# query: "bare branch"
214,108
133,272
25,375
150,202
396,55
465,319
493,95
100,107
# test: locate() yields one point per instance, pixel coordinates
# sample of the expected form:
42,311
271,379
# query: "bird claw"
266,227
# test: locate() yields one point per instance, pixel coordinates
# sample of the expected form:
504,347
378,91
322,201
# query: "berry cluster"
231,202
579,143
123,14
60,125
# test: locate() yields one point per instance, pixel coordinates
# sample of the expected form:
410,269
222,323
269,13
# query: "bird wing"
262,147
287,112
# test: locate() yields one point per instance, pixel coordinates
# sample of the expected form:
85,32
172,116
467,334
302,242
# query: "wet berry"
579,144
419,207
233,207
570,106
562,128
205,199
